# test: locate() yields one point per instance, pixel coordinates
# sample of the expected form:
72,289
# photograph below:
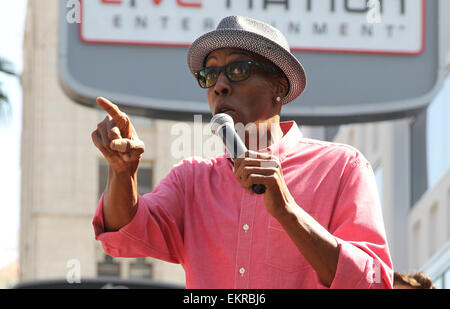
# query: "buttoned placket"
244,243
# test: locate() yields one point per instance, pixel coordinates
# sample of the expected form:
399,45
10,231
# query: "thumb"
126,145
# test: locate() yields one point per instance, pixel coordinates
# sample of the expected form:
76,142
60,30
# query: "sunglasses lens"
238,71
207,77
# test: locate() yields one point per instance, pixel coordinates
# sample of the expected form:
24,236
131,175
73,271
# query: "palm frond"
5,108
7,67
5,105
3,96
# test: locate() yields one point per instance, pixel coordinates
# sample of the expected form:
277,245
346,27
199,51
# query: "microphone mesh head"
220,119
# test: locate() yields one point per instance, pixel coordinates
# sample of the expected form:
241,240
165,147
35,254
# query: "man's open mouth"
225,110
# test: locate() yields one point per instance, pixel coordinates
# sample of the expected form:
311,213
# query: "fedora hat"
254,36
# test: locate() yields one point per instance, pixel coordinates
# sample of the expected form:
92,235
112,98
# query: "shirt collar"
291,136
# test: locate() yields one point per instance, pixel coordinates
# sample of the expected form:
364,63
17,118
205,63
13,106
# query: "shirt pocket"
281,252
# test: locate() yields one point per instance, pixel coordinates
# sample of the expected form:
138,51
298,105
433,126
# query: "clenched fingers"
260,168
102,130
98,142
113,130
127,145
255,159
108,139
252,175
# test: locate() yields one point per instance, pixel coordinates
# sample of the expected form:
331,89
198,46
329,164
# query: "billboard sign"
179,23
362,57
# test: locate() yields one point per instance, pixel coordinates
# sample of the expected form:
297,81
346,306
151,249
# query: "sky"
12,22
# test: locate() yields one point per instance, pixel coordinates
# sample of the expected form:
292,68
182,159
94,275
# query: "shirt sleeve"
156,230
357,225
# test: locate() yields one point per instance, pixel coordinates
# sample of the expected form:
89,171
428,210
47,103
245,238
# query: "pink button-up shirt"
200,217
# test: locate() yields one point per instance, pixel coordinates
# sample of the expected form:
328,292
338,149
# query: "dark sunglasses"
234,71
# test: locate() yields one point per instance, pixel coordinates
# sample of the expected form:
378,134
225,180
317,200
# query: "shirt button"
246,227
242,271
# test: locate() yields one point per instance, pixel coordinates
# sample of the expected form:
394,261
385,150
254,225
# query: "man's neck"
268,133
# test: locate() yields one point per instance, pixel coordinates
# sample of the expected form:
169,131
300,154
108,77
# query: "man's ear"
281,87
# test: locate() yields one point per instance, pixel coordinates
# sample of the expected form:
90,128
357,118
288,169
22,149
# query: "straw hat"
254,36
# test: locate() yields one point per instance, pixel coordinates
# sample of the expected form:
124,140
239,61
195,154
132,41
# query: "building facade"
63,174
411,163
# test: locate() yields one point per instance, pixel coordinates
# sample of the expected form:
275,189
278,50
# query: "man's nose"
223,85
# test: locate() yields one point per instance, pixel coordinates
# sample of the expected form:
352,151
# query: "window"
416,244
331,132
102,177
438,135
419,183
145,177
448,215
108,267
141,269
375,137
430,144
434,229
438,283
447,279
379,180
351,137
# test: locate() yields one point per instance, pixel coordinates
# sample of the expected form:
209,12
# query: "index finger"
111,108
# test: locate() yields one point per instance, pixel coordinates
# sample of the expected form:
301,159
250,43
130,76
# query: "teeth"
224,110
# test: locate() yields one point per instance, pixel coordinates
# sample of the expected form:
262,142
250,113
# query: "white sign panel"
357,26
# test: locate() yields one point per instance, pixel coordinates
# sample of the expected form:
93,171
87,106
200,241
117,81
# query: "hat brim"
253,42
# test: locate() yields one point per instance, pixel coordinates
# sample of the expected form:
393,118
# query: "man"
317,225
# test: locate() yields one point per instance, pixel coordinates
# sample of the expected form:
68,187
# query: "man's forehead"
235,51
228,52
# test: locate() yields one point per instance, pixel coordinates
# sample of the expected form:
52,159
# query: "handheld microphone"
223,126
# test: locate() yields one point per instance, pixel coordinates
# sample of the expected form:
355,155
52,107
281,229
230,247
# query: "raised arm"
119,143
